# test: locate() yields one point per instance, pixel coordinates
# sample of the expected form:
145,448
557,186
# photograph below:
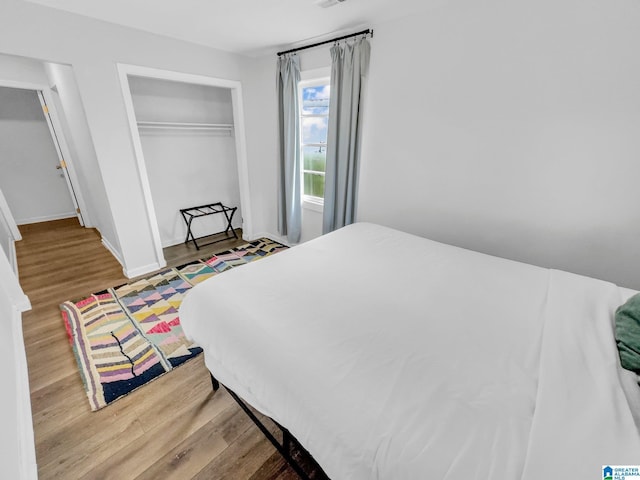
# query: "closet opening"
188,135
37,184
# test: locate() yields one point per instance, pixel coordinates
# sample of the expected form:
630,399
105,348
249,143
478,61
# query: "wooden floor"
173,428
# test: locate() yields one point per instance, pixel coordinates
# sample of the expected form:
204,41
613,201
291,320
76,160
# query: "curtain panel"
289,192
349,67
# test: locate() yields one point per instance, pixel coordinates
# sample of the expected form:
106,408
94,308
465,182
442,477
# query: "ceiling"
249,27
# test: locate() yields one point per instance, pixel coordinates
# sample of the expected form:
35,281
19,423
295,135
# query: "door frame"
62,161
126,70
6,217
60,143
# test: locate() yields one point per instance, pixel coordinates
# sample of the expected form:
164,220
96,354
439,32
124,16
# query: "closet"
187,136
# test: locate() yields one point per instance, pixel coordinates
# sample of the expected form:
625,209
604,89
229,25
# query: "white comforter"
390,356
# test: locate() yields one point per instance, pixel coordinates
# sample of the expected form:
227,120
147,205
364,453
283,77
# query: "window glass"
314,123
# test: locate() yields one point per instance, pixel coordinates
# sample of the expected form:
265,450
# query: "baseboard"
13,257
113,251
10,284
179,240
136,272
172,242
45,218
22,303
256,236
132,272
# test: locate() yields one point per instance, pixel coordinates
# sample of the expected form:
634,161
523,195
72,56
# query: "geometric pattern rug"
126,336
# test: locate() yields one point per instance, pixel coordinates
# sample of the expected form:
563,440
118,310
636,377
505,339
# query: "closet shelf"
222,127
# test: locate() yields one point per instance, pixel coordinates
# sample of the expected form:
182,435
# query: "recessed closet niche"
187,137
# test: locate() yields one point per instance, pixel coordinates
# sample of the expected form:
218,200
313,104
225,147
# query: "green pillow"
628,333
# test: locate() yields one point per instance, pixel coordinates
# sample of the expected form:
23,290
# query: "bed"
391,356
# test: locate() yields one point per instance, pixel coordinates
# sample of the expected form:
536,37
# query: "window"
314,120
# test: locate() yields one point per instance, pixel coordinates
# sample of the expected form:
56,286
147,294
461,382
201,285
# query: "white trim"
46,218
180,240
9,282
113,251
24,422
22,85
5,211
13,258
26,442
173,241
143,177
312,78
19,303
124,70
14,234
74,183
310,203
241,157
316,73
272,236
136,272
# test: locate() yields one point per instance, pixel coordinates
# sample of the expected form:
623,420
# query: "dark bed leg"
286,453
214,383
288,440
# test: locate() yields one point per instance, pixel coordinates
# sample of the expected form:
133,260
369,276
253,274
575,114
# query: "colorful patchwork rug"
126,336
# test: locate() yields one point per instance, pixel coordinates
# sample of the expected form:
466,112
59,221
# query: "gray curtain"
350,63
289,194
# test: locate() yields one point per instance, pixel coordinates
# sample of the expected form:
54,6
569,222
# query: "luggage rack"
188,214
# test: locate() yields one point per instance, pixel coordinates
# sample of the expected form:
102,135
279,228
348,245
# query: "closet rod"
368,31
185,125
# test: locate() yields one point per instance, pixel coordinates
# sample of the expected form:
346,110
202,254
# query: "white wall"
33,188
75,129
510,128
9,233
187,168
81,157
261,117
6,239
17,454
21,70
9,453
505,127
261,124
94,49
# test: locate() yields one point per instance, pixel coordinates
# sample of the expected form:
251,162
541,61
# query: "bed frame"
288,440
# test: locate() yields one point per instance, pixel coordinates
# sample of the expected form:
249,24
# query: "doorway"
35,181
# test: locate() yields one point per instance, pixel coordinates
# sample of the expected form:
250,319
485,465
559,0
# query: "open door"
62,165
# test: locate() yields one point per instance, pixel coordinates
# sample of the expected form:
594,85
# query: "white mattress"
389,356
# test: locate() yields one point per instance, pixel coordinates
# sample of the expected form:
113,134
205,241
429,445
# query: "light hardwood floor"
176,427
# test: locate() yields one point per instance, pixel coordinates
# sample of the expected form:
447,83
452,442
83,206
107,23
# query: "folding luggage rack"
188,214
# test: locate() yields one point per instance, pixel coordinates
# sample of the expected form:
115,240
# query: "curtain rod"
368,31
